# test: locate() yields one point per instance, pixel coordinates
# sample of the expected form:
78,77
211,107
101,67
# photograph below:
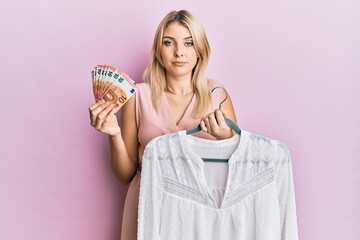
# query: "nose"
179,51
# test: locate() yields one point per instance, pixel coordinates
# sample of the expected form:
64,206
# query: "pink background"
291,67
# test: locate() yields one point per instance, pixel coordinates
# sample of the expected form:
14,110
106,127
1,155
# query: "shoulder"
143,89
142,86
268,148
218,94
162,144
213,83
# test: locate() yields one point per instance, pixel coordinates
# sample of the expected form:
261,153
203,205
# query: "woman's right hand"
103,118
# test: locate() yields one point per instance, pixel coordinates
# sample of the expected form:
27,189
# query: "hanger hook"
226,96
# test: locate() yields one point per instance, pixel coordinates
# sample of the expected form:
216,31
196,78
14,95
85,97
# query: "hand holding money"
112,89
112,85
103,118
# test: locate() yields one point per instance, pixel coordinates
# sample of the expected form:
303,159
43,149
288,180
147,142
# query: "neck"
179,86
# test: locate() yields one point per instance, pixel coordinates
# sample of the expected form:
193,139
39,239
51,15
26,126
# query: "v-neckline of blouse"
240,140
177,124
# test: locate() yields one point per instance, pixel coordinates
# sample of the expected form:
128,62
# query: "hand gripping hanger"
228,121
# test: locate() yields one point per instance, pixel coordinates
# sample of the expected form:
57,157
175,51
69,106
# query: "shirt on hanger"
251,197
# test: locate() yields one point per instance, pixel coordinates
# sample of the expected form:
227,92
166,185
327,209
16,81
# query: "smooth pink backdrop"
292,69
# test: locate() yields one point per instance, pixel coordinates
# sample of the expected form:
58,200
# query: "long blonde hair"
155,72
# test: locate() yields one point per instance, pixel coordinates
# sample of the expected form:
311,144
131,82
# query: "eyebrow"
174,38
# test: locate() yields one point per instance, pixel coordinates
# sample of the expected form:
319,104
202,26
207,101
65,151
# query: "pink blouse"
152,124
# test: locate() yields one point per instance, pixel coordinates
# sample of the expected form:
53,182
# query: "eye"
168,43
189,44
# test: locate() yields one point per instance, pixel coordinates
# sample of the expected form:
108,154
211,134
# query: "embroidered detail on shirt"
184,191
251,186
255,162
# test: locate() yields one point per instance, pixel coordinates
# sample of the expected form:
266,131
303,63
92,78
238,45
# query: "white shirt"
249,198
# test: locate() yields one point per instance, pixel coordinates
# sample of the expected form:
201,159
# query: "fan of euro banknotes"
112,85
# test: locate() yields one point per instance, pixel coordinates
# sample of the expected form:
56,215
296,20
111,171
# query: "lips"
177,63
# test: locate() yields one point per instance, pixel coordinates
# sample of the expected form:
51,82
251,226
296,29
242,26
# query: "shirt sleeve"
286,193
150,197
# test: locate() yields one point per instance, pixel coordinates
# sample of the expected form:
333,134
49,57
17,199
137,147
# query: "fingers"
214,120
214,124
220,119
95,105
101,111
208,122
103,116
114,110
203,126
95,109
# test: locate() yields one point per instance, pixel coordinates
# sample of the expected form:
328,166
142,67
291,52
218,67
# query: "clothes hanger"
228,121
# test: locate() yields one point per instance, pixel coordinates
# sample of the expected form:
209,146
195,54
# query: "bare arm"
124,166
123,141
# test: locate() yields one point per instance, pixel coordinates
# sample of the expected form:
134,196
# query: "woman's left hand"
214,124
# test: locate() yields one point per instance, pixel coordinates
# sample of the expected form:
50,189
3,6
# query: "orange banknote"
111,84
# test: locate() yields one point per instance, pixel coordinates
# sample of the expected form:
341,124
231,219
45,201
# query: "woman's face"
177,52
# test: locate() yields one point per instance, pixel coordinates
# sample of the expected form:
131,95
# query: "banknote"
112,85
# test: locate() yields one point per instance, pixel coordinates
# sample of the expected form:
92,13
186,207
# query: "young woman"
176,95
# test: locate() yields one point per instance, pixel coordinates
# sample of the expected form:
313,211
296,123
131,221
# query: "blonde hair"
155,72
